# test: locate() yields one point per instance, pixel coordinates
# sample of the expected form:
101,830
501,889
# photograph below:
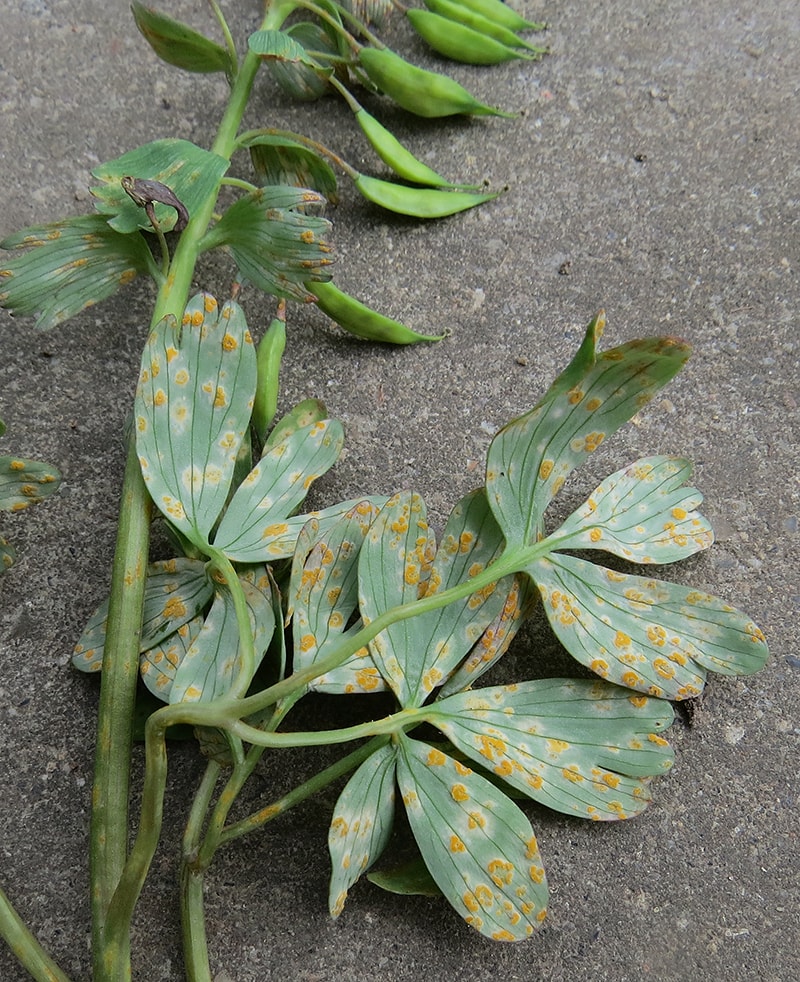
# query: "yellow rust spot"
545,469
501,872
160,398
220,398
459,793
197,318
476,820
679,514
339,826
600,667
172,354
621,640
572,774
174,608
536,873
489,746
209,303
462,769
659,741
229,343
593,404
456,845
557,746
596,534
436,758
307,642
639,701
664,668
631,679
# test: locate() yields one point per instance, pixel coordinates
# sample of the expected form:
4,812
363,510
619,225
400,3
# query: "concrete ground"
654,173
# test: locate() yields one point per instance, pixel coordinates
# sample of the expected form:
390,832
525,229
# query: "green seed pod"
268,361
424,93
501,13
478,22
361,320
418,202
395,155
459,42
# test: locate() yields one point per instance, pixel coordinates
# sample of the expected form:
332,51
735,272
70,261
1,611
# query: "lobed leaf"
362,823
192,408
646,634
278,159
393,569
477,844
438,640
276,245
643,513
190,172
530,458
520,598
212,664
68,266
178,44
582,747
175,591
324,596
159,663
256,526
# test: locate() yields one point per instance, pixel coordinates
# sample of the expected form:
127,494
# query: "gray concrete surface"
654,173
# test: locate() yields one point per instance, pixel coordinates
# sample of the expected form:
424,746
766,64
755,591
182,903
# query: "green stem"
195,946
323,738
31,955
226,33
247,653
109,829
302,791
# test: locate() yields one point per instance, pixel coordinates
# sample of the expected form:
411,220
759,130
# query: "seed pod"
395,155
424,93
268,361
361,320
418,202
501,13
478,22
459,42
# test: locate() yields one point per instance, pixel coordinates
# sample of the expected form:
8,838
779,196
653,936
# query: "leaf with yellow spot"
278,159
643,513
257,526
362,823
303,414
212,664
646,634
267,232
479,847
435,642
531,457
68,266
159,663
191,173
393,569
191,411
324,596
519,600
581,747
25,482
176,590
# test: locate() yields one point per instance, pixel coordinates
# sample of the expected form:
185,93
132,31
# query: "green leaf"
418,202
178,44
274,243
299,79
175,591
305,413
70,265
530,458
324,596
477,844
280,46
25,482
190,172
256,526
158,664
520,599
393,569
369,11
643,513
642,633
361,824
409,879
212,664
582,747
278,159
192,408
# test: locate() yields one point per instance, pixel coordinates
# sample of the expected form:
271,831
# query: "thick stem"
109,831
